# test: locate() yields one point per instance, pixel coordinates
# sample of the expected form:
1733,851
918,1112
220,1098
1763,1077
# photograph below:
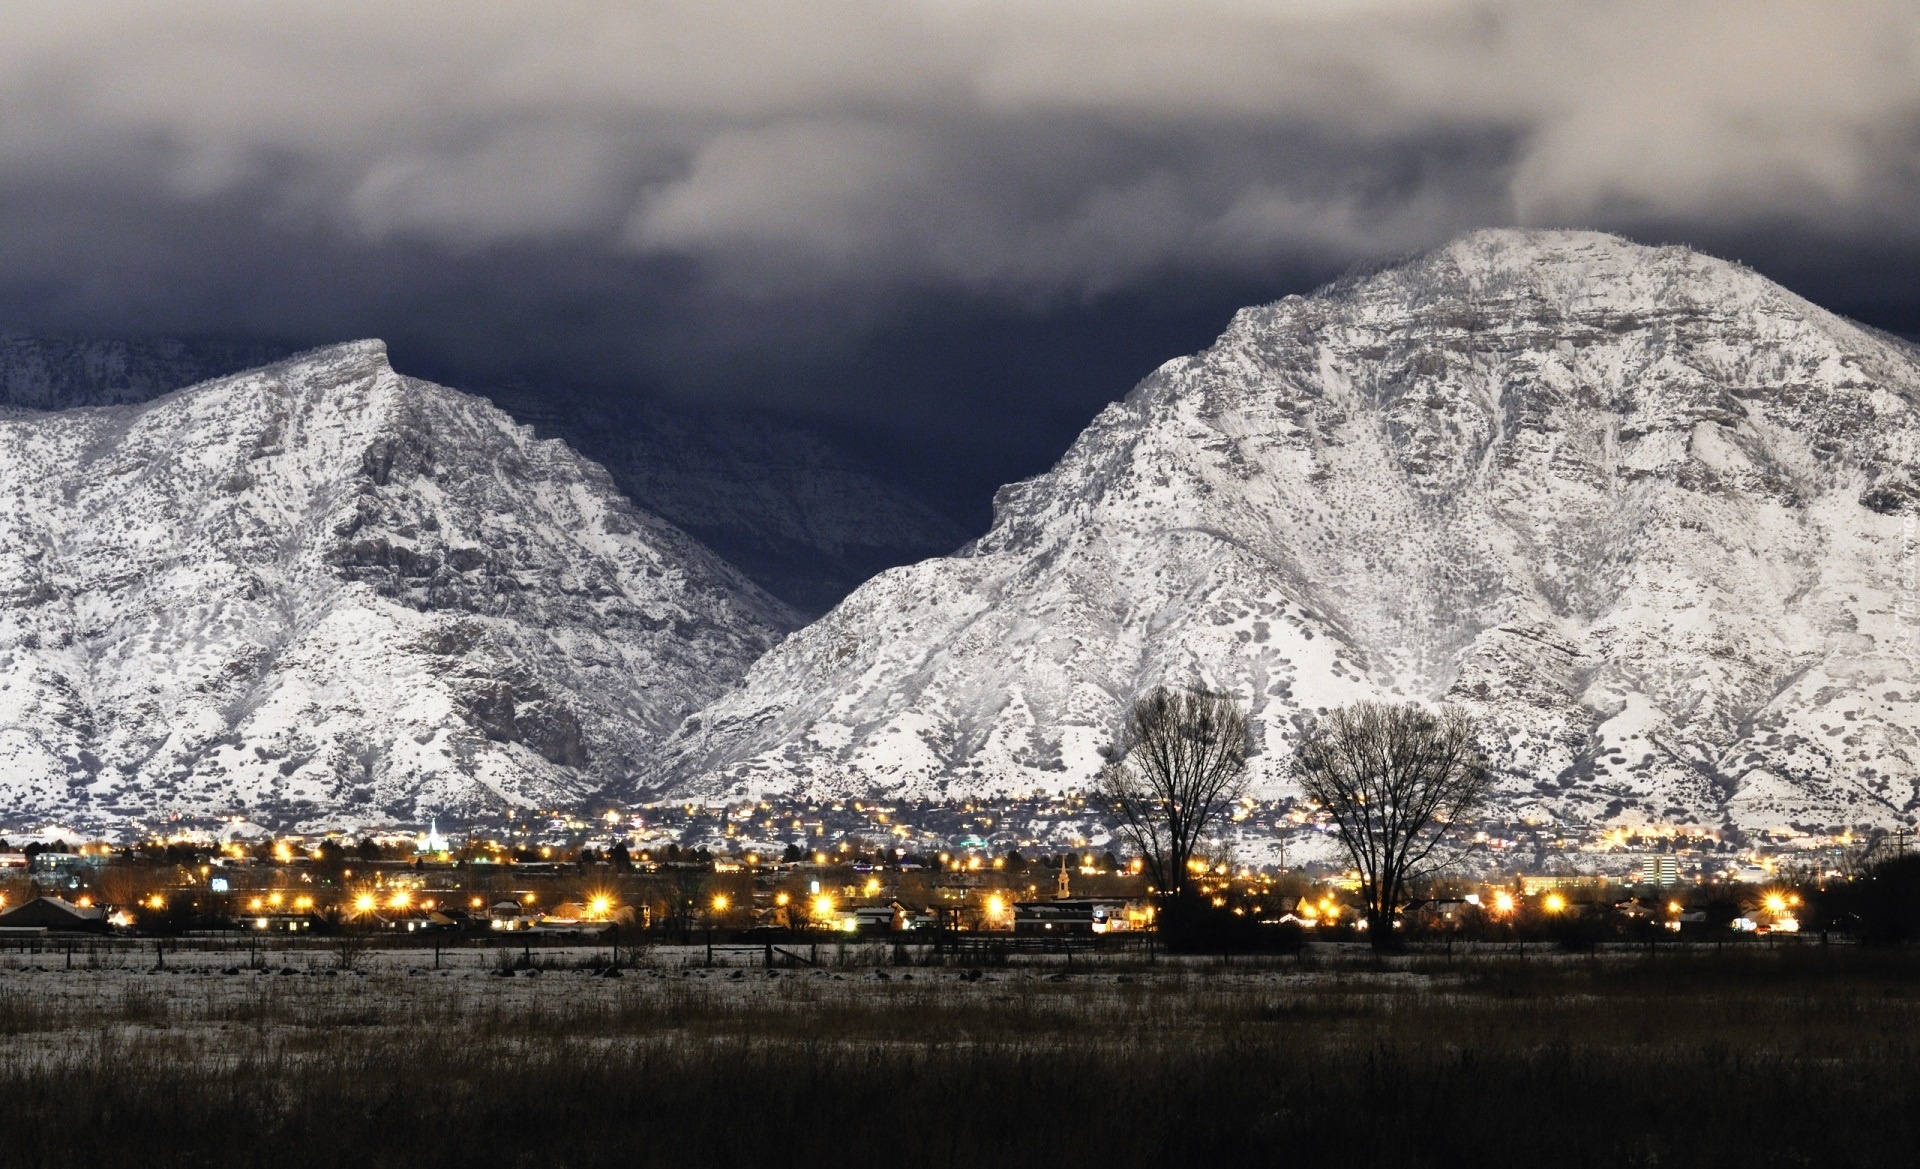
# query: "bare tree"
1179,762
1393,778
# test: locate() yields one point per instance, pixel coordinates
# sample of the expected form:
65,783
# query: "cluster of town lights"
857,894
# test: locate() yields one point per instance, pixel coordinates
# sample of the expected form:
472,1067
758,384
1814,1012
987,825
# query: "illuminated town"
916,873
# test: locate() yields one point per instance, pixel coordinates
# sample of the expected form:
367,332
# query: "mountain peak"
319,591
1636,508
1562,268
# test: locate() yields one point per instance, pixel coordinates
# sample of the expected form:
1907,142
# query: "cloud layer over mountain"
728,200
995,144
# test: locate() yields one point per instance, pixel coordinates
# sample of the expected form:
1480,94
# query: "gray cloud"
847,208
1014,147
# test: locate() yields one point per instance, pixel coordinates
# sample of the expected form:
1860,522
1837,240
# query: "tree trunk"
1380,931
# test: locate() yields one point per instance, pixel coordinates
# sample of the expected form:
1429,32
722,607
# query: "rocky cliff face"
321,591
1649,515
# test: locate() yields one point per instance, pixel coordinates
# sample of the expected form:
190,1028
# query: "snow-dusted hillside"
1651,515
321,590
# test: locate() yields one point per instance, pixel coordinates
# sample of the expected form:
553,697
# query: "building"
71,866
274,921
432,842
1659,870
875,919
1054,918
1081,915
55,913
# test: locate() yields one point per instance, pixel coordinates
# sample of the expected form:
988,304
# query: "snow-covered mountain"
321,590
1653,517
793,511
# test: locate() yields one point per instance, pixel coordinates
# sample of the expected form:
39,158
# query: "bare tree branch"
1394,778
1180,761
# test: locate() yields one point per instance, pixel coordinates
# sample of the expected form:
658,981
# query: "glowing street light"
600,906
720,903
364,903
1555,903
1503,902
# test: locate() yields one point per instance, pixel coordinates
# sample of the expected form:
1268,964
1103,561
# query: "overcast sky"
953,228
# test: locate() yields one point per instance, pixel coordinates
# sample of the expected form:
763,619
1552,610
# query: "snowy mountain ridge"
321,592
790,509
1649,515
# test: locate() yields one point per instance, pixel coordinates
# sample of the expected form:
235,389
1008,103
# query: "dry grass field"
1802,1056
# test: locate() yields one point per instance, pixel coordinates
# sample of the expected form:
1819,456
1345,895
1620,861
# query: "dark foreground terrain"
1802,1056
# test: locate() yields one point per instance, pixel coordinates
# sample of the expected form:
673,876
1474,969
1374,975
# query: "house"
417,923
55,913
1113,917
1054,918
1437,913
875,919
275,921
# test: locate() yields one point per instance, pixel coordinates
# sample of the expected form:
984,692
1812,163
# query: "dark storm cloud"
831,207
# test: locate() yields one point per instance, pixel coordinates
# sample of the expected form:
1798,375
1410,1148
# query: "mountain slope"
322,590
1650,515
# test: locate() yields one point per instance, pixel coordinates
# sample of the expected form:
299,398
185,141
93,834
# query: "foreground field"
1746,1058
